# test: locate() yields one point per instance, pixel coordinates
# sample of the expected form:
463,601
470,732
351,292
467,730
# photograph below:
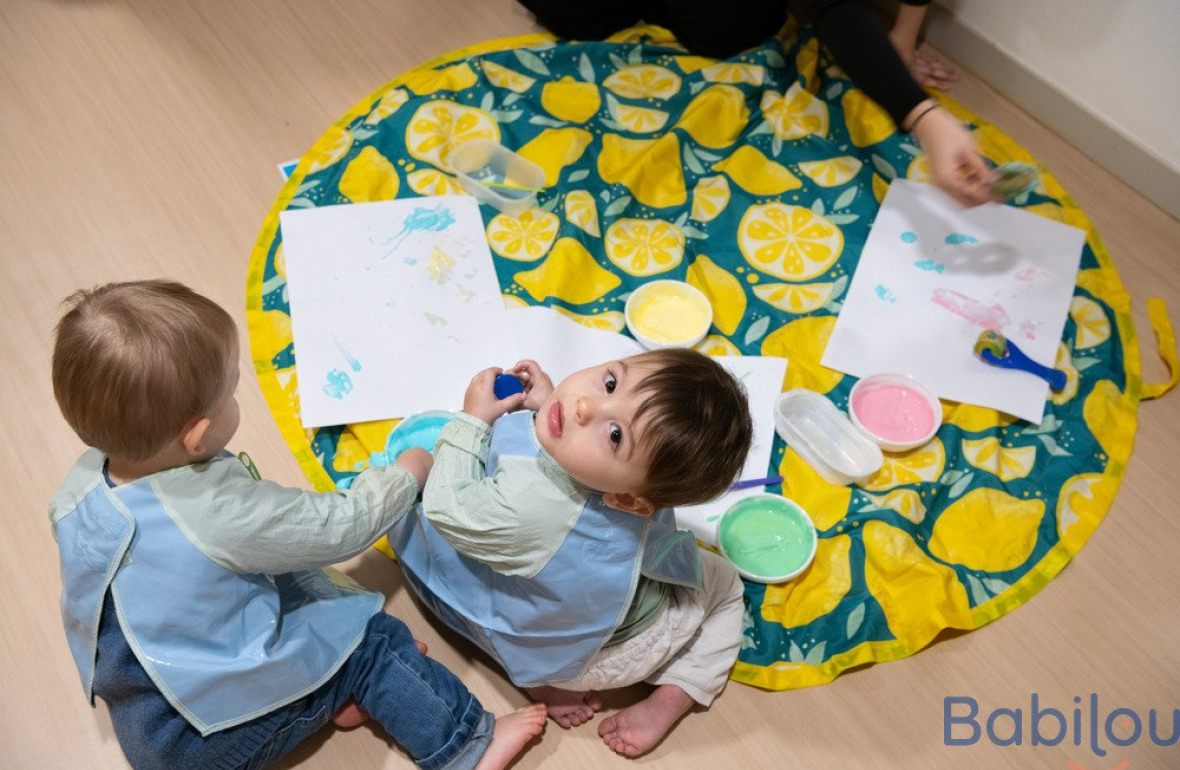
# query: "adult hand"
955,162
537,385
417,461
480,400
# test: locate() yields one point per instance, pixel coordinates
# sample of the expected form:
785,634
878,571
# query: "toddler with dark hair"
546,535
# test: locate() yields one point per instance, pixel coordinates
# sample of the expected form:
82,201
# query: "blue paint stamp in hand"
507,385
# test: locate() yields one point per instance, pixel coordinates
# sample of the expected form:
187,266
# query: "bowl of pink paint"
895,411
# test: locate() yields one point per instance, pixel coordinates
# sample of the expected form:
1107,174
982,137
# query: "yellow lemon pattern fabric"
755,179
369,177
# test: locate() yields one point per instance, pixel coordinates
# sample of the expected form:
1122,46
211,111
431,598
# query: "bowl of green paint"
768,538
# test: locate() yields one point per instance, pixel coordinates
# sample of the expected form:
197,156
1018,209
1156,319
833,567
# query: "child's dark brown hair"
698,428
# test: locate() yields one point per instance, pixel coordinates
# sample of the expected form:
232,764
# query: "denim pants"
419,703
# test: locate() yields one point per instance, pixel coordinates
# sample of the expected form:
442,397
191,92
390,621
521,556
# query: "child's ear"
192,436
629,503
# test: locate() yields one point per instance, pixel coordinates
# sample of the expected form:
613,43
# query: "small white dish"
821,434
768,538
896,411
497,176
668,314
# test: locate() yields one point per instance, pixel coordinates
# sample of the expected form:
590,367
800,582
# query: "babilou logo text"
1086,722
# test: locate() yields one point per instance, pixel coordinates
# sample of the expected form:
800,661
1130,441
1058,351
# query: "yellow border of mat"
1105,284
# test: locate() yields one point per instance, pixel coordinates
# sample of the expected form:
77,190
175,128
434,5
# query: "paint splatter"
955,239
994,317
1031,274
411,261
353,364
338,384
422,220
440,265
909,236
931,265
884,294
1028,329
435,320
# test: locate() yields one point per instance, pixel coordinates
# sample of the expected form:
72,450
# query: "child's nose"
584,410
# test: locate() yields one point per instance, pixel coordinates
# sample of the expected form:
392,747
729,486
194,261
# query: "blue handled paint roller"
996,349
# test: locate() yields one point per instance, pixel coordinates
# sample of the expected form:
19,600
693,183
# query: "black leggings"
705,27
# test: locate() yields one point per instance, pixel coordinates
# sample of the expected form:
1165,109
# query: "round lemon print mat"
755,179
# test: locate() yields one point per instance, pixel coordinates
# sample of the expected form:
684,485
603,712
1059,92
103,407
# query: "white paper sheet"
763,378
394,306
933,275
561,345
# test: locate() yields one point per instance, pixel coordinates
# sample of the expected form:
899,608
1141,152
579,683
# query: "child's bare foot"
638,728
350,715
566,707
511,733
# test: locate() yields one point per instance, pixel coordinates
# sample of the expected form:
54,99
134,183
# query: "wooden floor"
139,138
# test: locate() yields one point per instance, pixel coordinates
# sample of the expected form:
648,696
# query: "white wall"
1118,59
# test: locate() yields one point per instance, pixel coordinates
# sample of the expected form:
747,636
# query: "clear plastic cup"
497,176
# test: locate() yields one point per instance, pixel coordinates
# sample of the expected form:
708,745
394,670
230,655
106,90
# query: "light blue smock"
240,644
544,627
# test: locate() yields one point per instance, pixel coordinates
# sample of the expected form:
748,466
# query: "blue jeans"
421,705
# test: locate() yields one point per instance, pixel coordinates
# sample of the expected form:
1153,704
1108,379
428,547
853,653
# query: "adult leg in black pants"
705,27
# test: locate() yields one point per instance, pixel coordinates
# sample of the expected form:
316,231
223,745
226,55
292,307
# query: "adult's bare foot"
566,707
638,728
510,735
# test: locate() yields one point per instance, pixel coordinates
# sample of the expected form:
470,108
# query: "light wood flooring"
139,138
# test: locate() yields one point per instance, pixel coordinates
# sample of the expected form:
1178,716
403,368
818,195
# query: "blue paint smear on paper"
957,238
884,294
423,220
909,237
353,364
931,265
338,384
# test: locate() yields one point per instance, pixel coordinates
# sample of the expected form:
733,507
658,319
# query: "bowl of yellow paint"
668,314
768,538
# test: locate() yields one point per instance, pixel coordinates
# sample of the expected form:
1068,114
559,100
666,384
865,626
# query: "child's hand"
480,400
418,462
537,385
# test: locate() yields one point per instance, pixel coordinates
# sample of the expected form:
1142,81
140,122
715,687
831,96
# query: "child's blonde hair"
134,362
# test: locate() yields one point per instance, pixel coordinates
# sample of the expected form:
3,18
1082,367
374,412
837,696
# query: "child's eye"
616,435
610,382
